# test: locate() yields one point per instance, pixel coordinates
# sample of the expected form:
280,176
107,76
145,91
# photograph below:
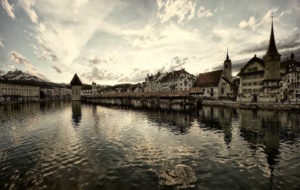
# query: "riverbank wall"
252,105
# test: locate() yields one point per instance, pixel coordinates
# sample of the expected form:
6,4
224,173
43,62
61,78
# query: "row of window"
256,76
252,69
250,83
252,90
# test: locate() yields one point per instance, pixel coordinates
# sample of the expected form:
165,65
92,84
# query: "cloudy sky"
119,41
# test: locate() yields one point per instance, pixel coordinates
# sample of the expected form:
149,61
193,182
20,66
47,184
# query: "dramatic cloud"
182,10
98,68
202,12
175,64
8,8
27,5
136,76
29,68
108,59
97,74
1,43
289,43
254,23
56,69
121,41
251,23
149,38
18,58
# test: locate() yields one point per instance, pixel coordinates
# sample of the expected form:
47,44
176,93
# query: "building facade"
152,82
261,80
251,80
216,84
290,84
19,91
177,80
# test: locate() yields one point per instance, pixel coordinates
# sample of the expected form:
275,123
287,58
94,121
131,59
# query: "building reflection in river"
256,148
76,112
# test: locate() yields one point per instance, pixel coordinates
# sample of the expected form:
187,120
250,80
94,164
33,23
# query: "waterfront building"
46,92
260,79
86,90
251,80
12,90
55,92
138,88
65,93
76,88
177,80
216,84
290,84
152,82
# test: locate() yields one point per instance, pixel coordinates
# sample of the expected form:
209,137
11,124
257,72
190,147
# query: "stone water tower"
76,88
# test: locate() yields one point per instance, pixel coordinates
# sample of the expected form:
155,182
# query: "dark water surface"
75,146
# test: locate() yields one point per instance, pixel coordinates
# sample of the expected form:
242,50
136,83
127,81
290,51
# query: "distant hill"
18,75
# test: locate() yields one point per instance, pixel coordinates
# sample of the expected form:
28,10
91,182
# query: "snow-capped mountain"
20,76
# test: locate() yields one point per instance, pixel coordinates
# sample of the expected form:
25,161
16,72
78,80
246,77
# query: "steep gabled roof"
253,60
209,79
229,82
75,81
173,74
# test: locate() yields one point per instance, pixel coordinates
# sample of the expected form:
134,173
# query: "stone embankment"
252,105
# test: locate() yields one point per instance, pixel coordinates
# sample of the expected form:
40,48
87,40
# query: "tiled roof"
196,90
173,74
75,81
209,79
254,59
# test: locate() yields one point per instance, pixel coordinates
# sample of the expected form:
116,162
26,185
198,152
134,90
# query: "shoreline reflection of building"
76,113
219,119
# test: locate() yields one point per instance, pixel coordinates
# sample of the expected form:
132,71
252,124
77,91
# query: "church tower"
227,70
272,60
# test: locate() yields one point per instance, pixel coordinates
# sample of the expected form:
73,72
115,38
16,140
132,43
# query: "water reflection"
119,148
76,112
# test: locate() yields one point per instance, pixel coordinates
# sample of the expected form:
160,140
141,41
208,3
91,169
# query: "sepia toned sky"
120,41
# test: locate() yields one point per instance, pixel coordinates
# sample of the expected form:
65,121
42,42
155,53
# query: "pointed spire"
227,57
272,50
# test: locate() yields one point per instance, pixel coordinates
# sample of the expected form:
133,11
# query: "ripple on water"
217,148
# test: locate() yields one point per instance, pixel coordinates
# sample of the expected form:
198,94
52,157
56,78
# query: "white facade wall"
210,92
180,83
252,83
26,91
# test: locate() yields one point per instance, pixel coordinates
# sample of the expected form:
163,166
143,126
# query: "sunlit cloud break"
110,42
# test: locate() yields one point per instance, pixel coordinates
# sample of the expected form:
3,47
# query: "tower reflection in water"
76,113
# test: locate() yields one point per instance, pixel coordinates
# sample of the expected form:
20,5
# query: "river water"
60,145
